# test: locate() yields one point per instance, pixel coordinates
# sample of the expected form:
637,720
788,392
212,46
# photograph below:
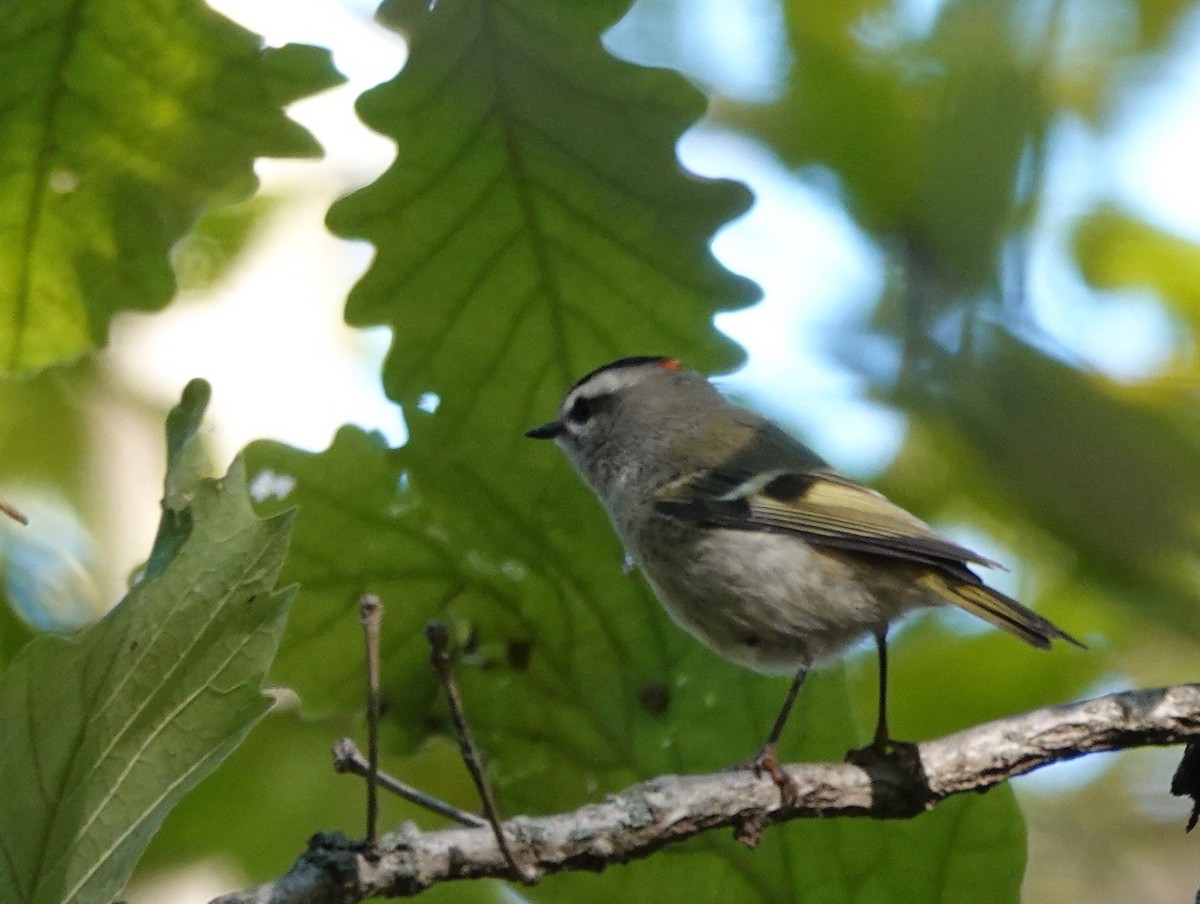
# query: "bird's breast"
768,601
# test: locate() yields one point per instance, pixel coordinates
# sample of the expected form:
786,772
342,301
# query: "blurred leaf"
205,255
1090,50
14,633
926,136
126,716
1114,481
845,107
995,675
1116,251
69,565
986,111
43,439
50,569
43,450
1103,840
1160,19
126,122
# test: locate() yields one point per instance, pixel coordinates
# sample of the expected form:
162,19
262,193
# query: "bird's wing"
818,505
831,511
807,498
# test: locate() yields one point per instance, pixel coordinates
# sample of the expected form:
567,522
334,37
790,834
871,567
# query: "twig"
439,641
371,610
9,509
348,758
649,816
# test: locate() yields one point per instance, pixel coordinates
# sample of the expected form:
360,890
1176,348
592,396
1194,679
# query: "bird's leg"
882,745
786,709
882,738
767,761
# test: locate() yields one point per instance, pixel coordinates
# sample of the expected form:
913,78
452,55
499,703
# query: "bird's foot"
884,749
766,761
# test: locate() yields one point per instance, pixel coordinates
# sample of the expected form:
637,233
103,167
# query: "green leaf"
1116,251
127,121
535,224
119,721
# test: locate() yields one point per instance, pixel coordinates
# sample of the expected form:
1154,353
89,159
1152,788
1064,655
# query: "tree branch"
640,820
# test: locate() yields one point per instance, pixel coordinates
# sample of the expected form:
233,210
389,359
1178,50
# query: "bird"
752,542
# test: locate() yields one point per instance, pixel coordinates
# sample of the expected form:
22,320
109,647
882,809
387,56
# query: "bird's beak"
546,431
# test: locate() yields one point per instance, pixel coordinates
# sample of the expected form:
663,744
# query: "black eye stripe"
581,410
584,408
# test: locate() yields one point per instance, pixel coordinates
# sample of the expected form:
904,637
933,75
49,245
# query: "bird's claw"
768,762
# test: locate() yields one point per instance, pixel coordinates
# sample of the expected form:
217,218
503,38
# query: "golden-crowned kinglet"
752,543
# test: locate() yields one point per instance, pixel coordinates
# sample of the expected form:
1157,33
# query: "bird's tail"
993,606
